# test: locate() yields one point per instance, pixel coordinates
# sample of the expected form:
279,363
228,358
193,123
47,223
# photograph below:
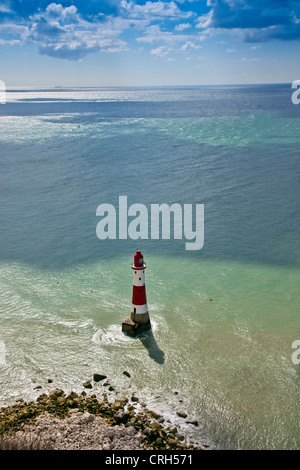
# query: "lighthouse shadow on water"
148,341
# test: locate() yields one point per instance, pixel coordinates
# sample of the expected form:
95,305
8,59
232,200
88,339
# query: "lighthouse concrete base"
134,328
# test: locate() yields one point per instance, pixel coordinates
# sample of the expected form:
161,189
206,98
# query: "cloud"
12,34
247,13
5,7
72,31
189,45
13,42
255,20
154,33
251,59
159,51
63,33
153,10
182,26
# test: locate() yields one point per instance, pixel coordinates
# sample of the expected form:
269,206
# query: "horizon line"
150,86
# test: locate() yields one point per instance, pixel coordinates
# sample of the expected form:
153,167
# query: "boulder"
88,417
54,394
181,414
99,377
121,416
148,432
172,442
61,401
42,398
119,403
117,406
194,422
172,430
154,414
122,400
87,384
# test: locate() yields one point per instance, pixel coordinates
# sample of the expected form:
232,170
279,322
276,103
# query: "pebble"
107,447
119,426
93,433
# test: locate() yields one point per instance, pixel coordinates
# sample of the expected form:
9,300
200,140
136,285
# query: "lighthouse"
139,320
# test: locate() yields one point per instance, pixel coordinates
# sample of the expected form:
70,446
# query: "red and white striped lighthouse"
139,317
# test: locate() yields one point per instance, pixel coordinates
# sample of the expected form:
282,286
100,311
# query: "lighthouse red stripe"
139,295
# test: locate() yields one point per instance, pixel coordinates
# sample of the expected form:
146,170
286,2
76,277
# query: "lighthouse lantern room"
139,320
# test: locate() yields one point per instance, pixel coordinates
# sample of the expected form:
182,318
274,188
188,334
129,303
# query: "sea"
225,318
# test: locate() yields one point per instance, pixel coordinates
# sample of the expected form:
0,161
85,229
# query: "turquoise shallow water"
229,358
224,318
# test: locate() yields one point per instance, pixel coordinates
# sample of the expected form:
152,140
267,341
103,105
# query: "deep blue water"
52,184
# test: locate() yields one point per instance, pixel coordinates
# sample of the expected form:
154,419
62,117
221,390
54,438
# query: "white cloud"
204,21
153,10
190,45
62,32
155,34
12,42
252,59
159,51
12,34
182,26
5,7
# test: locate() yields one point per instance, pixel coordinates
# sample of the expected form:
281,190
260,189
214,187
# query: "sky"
149,43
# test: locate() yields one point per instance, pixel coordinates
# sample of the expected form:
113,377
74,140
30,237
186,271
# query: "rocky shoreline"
61,421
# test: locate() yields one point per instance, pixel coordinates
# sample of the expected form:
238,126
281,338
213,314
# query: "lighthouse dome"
138,259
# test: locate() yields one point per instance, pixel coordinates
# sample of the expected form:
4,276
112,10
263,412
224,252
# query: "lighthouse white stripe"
139,278
139,308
